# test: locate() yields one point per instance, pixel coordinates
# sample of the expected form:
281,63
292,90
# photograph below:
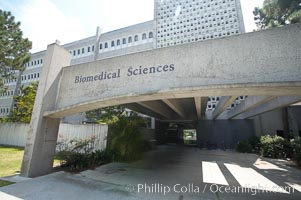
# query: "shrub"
275,147
125,138
296,145
244,147
77,155
254,141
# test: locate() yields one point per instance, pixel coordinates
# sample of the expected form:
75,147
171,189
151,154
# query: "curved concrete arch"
227,90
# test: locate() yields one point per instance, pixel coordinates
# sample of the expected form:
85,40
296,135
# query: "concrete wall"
271,122
294,118
14,134
223,133
268,123
148,134
220,67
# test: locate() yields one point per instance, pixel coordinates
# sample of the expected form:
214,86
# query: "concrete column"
153,123
42,135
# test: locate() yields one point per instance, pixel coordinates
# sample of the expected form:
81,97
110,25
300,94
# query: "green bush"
254,141
125,138
249,146
244,147
275,147
296,145
77,155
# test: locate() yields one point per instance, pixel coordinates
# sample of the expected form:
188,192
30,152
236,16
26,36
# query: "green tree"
14,49
124,137
23,104
277,13
107,114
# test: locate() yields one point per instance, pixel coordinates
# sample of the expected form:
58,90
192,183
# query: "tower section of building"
184,21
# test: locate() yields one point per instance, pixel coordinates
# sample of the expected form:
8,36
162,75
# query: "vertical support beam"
286,128
200,106
42,136
222,105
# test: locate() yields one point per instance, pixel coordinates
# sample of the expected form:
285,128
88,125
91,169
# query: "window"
93,48
150,35
136,38
118,42
41,61
123,41
130,40
106,45
83,50
88,49
143,36
74,52
78,51
100,46
112,43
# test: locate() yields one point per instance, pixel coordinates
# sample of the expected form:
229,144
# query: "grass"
5,183
11,160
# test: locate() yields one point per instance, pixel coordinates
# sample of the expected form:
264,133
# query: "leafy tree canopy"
124,137
277,12
14,49
23,104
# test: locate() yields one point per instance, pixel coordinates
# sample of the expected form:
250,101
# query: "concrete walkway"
170,172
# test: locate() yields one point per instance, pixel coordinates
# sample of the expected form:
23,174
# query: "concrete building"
175,22
173,84
178,69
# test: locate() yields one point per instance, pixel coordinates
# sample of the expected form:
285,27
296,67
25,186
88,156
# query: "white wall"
14,134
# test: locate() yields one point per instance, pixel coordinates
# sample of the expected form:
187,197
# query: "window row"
5,81
83,50
195,9
34,63
4,110
200,35
167,4
170,41
8,93
130,39
187,28
30,76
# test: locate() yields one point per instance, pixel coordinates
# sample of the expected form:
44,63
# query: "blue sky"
44,21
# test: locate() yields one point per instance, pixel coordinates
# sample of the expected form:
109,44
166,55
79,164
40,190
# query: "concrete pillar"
42,135
286,128
153,123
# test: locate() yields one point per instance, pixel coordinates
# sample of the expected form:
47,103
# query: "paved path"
170,172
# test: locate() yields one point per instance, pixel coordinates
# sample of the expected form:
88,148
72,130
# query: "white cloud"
247,9
42,22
